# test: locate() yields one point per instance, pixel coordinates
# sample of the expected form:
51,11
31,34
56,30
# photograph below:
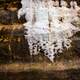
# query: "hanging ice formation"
48,26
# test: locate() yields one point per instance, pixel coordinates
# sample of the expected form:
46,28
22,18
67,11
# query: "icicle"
48,26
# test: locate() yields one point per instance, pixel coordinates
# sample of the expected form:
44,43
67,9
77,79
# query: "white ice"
49,26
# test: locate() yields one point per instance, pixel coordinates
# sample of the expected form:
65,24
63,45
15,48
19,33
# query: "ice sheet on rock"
49,27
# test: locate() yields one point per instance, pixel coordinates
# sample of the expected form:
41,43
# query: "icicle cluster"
48,26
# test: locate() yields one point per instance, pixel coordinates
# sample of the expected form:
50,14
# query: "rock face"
8,17
77,45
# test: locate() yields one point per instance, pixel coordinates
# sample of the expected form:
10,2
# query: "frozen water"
48,26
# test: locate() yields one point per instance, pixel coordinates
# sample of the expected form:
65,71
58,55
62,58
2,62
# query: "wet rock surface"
72,74
8,17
